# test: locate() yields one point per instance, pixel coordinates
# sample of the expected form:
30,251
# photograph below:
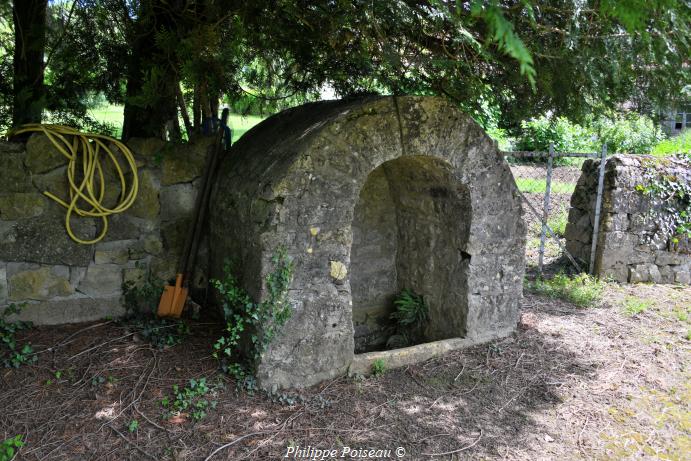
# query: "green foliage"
378,367
631,134
680,144
192,399
538,133
557,222
13,354
133,426
539,186
582,290
634,306
256,321
410,309
10,447
667,183
141,303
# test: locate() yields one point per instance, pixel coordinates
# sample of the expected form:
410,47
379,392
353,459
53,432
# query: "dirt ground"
569,384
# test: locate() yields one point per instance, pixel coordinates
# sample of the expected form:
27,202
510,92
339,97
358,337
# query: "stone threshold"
397,358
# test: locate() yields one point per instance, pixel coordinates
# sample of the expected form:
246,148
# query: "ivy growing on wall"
250,323
667,183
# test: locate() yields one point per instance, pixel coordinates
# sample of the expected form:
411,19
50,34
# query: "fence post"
598,205
545,208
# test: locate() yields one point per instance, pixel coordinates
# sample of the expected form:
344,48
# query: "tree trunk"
150,104
29,45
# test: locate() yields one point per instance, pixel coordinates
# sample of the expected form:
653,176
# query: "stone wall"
61,281
633,245
368,197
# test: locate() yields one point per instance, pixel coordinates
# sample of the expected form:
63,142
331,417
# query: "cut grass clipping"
581,290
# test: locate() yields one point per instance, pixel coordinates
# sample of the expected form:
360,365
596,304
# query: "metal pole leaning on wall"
545,208
598,205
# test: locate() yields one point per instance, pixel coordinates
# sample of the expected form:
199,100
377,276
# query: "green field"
538,186
113,116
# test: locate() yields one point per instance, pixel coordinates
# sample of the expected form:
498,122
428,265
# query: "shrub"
538,133
582,290
631,134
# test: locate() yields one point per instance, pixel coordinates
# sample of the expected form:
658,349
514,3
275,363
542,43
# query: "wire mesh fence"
547,180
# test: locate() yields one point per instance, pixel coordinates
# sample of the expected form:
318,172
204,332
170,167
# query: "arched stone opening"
410,231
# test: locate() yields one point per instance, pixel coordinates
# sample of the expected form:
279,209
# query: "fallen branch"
456,451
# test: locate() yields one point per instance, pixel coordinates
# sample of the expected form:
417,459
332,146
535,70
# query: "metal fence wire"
546,181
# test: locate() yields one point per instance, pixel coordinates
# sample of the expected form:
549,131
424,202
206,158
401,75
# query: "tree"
501,60
29,45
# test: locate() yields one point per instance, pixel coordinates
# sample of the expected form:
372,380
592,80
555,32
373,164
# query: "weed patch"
13,354
634,306
582,290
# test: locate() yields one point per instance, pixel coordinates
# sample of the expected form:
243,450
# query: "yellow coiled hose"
87,150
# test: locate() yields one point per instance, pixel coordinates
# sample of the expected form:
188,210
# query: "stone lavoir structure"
634,244
60,281
369,197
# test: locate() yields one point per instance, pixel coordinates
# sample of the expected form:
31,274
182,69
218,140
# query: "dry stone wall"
60,281
634,243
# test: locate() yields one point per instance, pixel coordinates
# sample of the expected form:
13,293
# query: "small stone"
115,256
21,206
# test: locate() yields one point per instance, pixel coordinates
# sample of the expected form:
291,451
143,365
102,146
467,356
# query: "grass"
539,186
582,290
113,115
634,306
675,145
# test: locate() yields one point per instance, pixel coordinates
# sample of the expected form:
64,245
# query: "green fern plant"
410,309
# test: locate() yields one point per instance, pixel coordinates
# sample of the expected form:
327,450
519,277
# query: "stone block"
15,177
101,281
146,147
177,201
153,244
73,310
21,205
113,252
654,273
134,275
682,276
664,258
42,155
147,205
43,239
185,162
39,284
639,273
